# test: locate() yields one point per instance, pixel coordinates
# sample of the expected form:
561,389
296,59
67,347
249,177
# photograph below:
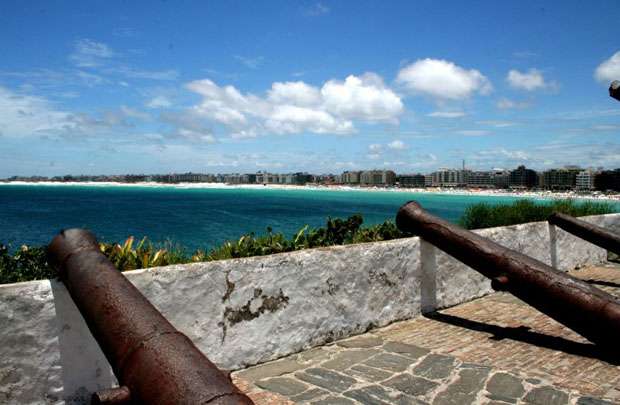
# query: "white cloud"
23,115
90,79
290,119
473,132
364,97
295,93
397,145
609,70
505,103
497,124
133,73
159,102
317,9
296,107
244,134
88,53
135,114
375,147
442,80
523,54
446,114
225,105
192,135
252,63
531,80
554,154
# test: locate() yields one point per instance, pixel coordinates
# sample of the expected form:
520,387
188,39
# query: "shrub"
485,215
27,263
30,263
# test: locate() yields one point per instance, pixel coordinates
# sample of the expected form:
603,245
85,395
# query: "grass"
484,215
29,263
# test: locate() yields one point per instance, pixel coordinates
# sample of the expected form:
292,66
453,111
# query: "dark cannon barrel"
614,89
590,232
587,310
153,362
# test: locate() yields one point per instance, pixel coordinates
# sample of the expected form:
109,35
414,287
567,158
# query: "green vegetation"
29,263
483,215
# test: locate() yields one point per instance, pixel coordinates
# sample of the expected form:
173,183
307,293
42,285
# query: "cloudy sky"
155,87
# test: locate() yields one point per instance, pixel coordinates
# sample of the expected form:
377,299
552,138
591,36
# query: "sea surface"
197,217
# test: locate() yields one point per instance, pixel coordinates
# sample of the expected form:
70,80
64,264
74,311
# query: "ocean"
197,217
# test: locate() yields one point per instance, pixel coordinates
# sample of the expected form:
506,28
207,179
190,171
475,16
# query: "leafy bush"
125,257
27,263
30,263
485,215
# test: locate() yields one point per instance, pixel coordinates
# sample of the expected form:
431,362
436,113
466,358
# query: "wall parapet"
242,312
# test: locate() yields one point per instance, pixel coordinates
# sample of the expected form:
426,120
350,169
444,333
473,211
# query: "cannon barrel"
587,310
153,362
590,232
614,89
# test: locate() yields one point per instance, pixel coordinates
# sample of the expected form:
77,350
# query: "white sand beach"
535,194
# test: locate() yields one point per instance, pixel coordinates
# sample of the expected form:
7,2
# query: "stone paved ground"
493,350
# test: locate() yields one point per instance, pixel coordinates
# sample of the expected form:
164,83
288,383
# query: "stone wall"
245,311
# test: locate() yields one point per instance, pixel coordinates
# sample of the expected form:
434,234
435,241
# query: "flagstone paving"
493,350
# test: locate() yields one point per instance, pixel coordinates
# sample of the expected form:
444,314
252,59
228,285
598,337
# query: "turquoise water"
196,218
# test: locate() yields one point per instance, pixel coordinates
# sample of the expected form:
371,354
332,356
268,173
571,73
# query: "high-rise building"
411,180
522,177
377,177
607,180
450,177
500,178
560,179
585,180
480,179
350,177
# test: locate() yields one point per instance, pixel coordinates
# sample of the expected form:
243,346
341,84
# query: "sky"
114,87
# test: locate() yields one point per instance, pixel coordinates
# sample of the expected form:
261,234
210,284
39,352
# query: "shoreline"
430,190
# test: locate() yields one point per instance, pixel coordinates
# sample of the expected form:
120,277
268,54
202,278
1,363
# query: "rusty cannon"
590,232
614,89
587,310
153,362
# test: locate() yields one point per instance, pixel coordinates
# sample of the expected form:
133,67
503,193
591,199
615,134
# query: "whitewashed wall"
246,311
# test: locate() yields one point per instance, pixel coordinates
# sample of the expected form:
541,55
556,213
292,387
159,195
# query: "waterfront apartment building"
377,177
266,178
607,180
584,180
236,178
522,177
185,178
483,179
450,177
560,179
500,178
412,180
286,178
350,177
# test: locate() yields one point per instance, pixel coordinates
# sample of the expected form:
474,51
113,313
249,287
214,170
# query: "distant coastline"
429,190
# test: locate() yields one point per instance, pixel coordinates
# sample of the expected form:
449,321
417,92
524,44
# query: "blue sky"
174,86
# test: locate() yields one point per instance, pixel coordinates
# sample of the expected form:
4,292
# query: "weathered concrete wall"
241,312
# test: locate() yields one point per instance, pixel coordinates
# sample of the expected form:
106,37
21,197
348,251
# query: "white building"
585,180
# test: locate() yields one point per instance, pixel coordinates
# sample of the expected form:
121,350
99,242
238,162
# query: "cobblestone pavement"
493,350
